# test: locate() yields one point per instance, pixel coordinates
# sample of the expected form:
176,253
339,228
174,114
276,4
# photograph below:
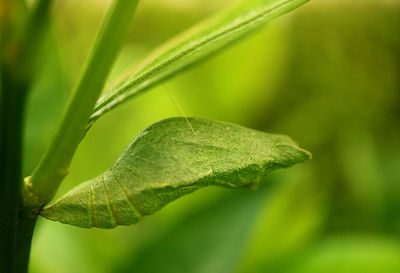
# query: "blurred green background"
328,75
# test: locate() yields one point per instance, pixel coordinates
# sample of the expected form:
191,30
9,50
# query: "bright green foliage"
168,160
193,45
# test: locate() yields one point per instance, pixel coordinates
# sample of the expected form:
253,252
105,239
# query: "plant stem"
18,54
26,225
12,104
54,165
17,62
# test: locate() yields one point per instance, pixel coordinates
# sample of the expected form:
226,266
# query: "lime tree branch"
53,167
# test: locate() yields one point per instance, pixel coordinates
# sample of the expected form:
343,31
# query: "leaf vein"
93,205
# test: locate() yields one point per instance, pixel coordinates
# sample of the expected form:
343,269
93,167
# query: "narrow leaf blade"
195,44
169,160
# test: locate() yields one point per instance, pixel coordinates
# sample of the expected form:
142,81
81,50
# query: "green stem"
26,224
54,165
12,105
20,43
32,38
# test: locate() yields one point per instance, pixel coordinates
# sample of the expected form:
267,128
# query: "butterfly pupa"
167,161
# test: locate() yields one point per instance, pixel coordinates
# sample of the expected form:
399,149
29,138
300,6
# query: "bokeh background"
328,75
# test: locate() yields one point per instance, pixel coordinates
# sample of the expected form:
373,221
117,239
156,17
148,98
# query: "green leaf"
195,44
171,159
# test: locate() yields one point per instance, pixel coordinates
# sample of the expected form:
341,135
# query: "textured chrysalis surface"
169,160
